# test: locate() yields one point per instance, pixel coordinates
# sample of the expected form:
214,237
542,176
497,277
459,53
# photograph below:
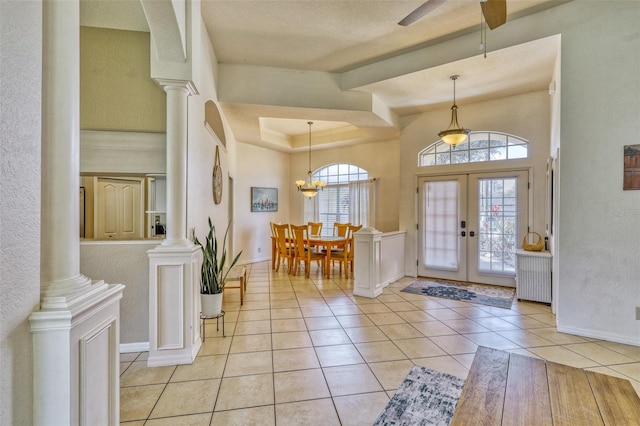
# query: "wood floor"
511,389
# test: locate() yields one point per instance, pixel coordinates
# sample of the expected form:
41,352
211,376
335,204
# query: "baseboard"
134,347
594,334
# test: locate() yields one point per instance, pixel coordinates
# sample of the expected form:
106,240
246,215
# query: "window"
348,197
479,146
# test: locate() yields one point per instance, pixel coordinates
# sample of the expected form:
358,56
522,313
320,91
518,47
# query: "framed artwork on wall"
631,167
264,199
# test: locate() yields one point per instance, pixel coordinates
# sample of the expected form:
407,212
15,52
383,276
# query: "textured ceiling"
347,35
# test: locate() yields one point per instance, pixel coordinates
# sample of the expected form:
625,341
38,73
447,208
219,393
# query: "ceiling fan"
494,11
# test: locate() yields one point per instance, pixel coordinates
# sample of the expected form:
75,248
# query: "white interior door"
469,226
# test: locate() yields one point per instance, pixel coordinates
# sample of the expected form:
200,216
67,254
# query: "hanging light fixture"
455,133
310,188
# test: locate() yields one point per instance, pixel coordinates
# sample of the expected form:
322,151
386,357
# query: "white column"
76,329
367,246
174,272
177,98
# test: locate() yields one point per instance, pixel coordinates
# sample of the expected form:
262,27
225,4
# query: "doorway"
469,226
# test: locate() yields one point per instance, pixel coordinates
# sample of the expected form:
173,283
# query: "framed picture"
631,167
264,199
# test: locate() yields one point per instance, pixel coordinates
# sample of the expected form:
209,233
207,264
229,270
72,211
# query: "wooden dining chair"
315,228
303,252
285,251
340,229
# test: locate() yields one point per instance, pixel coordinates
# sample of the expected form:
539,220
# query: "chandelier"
310,188
454,133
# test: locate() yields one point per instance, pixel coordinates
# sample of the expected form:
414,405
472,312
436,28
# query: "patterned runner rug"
425,397
491,295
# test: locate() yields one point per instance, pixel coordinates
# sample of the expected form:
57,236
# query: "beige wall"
116,90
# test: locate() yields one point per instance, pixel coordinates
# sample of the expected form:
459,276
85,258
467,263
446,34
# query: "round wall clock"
217,179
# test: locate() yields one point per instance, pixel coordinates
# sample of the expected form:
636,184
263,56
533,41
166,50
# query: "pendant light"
310,188
454,133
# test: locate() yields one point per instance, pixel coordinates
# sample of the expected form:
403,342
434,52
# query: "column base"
77,360
174,297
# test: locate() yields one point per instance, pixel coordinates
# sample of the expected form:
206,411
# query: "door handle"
463,234
472,234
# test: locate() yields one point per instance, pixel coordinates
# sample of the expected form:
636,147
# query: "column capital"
188,85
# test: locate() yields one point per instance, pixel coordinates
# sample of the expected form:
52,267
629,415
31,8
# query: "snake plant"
214,273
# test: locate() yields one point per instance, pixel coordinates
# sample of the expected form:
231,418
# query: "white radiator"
533,277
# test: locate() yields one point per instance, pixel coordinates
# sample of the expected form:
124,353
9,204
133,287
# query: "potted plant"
214,273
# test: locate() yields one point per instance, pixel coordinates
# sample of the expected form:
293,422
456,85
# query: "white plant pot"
211,304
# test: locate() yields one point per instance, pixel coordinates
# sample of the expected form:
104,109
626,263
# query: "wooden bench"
238,273
510,389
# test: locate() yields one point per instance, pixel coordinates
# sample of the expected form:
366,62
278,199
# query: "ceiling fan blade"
495,12
427,7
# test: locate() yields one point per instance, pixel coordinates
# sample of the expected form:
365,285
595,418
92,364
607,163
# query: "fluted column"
177,98
60,265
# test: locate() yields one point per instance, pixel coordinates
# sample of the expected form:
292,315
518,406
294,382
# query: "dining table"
328,242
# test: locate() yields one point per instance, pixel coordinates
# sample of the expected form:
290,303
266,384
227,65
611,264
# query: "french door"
469,226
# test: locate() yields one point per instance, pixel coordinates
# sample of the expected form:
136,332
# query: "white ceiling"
340,36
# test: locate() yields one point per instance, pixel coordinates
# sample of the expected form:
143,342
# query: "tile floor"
306,352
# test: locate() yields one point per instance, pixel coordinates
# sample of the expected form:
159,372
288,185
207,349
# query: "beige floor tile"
289,303
139,374
203,367
548,319
599,354
124,366
252,327
329,337
320,412
292,339
419,348
350,408
330,356
380,351
400,306
433,328
255,416
300,385
424,303
523,352
284,313
189,420
525,338
415,316
316,311
365,334
385,318
250,343
283,325
129,357
295,359
400,331
136,402
464,326
194,397
444,314
525,322
390,374
351,379
283,295
496,324
531,308
453,303
560,355
465,359
455,344
472,312
321,323
374,308
258,304
245,391
249,363
632,371
387,298
348,321
311,301
627,350
444,364
215,346
256,297
491,339
552,335
345,310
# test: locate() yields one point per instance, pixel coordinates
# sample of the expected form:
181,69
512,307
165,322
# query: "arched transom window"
479,146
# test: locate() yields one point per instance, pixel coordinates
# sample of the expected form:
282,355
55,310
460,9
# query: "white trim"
594,334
